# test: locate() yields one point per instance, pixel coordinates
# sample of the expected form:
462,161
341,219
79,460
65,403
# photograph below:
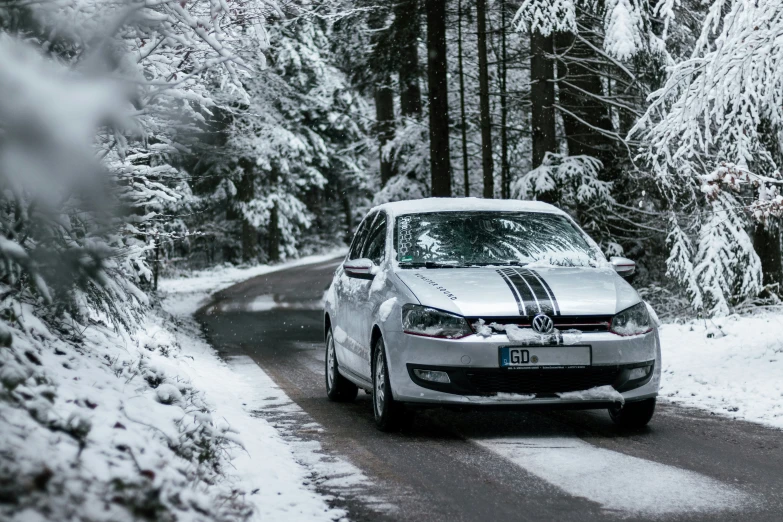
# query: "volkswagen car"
484,303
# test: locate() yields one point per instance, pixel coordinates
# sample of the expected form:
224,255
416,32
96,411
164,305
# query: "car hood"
503,292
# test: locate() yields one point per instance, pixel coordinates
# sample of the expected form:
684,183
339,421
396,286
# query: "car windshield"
475,238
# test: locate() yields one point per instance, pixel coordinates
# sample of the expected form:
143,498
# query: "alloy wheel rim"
330,364
380,383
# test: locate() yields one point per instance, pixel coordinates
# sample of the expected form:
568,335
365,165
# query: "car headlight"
422,320
632,321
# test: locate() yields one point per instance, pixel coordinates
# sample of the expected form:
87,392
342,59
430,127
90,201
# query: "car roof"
418,206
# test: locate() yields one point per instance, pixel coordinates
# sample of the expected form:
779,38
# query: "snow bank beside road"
276,485
737,372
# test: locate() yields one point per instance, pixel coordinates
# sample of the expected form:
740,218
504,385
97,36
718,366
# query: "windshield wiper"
498,263
437,264
427,264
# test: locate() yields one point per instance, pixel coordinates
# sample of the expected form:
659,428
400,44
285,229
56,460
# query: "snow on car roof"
418,206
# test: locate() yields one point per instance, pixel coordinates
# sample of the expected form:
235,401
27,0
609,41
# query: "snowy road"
688,465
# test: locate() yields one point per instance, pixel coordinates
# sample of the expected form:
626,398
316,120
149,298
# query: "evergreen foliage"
261,131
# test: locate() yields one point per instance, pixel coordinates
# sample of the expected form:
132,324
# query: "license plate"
545,357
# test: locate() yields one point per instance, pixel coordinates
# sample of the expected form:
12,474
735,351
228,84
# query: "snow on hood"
415,206
495,292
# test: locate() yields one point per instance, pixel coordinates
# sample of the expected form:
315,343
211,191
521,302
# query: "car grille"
540,381
585,323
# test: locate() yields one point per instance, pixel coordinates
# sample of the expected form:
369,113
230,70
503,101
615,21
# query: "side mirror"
624,267
359,268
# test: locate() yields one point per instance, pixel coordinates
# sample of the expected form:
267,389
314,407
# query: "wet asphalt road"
441,470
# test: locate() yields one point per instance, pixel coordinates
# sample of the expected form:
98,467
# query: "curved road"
687,465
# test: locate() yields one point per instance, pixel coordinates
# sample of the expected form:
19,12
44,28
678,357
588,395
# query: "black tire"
389,414
633,415
338,388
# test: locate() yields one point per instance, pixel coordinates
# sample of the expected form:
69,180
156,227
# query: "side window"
359,238
375,247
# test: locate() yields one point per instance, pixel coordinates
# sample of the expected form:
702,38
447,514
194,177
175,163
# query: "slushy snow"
599,393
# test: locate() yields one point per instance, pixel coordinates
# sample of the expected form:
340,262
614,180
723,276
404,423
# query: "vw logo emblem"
543,324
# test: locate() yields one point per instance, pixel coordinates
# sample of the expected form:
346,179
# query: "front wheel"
633,415
338,388
389,414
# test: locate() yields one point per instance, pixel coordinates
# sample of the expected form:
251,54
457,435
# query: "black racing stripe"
548,289
520,307
542,296
525,292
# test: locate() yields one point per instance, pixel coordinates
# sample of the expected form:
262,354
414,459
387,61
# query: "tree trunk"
381,67
463,127
542,97
384,117
579,87
273,249
440,162
407,21
348,218
484,116
157,262
249,241
766,242
505,182
246,193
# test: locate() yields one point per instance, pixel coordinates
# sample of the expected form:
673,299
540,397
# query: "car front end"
582,363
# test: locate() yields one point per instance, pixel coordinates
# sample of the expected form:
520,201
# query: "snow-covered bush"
57,226
96,425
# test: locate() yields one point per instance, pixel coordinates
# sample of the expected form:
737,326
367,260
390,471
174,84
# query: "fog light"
432,376
639,373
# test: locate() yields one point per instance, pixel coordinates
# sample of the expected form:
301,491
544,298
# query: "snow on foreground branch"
715,128
129,81
573,178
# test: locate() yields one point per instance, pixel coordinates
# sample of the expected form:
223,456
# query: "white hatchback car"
474,302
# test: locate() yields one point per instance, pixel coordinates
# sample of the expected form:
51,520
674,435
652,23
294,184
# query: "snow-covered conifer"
710,132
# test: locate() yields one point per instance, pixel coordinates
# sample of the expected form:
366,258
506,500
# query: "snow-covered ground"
731,366
603,476
105,424
108,424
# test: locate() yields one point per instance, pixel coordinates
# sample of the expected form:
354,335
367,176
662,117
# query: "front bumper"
477,379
